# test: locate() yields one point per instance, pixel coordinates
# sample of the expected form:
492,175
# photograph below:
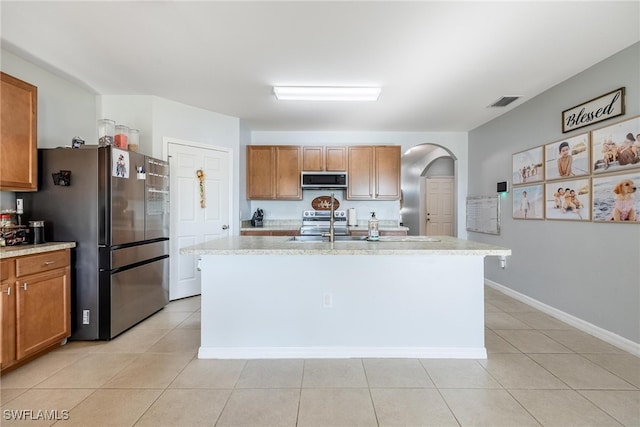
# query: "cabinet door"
312,159
260,172
7,313
288,168
18,134
387,173
360,160
336,159
8,329
43,312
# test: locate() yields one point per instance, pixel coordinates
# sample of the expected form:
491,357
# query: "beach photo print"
616,148
568,200
528,202
616,198
528,166
567,157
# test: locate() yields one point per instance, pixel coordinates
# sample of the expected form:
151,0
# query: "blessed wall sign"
598,109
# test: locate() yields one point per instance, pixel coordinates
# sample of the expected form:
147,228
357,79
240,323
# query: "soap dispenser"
374,233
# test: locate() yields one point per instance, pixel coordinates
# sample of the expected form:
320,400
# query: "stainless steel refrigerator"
115,205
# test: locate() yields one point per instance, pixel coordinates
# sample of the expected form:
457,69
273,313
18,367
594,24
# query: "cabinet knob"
49,262
24,286
7,291
225,227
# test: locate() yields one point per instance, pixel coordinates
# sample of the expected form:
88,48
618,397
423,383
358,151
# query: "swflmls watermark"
35,414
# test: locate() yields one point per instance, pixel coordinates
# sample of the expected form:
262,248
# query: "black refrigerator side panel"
71,214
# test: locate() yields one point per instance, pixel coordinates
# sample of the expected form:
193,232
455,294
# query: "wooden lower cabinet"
36,311
365,232
270,233
7,314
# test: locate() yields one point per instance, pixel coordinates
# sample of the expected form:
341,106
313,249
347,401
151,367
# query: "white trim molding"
591,329
340,352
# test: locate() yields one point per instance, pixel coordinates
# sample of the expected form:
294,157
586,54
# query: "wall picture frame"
568,200
528,166
616,198
616,148
528,202
568,157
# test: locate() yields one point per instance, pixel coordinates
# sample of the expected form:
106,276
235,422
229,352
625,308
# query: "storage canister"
106,131
37,230
121,139
134,139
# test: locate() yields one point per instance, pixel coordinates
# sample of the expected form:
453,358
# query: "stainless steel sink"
326,239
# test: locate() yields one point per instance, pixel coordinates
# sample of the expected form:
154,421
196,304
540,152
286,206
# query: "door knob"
225,227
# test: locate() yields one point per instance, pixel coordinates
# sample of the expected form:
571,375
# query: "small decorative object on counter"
374,232
76,142
134,139
258,217
200,175
121,139
106,131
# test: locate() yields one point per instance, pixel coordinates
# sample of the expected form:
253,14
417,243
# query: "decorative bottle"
374,233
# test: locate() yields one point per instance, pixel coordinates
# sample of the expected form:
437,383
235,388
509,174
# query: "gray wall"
588,270
65,109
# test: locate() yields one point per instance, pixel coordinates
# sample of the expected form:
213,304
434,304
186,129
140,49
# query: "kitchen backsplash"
285,209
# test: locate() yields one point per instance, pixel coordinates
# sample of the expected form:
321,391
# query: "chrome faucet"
332,229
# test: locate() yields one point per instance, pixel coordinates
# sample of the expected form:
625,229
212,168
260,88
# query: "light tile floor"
540,371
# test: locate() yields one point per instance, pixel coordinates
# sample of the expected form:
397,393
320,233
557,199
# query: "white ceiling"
440,64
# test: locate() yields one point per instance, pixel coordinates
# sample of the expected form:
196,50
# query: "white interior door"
198,213
439,206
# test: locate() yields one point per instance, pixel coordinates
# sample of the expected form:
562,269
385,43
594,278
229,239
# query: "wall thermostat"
503,187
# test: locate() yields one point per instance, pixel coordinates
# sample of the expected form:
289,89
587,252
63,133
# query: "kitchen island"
274,297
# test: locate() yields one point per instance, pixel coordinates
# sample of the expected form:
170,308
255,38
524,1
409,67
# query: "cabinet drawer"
44,262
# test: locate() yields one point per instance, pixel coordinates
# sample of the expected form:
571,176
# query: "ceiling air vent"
504,101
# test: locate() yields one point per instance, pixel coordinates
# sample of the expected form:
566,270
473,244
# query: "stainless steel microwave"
324,180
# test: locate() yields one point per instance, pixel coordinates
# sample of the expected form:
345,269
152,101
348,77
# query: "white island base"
339,306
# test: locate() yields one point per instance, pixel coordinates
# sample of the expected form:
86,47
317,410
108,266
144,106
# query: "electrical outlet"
85,317
327,300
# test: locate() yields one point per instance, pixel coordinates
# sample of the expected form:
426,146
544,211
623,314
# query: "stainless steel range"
316,223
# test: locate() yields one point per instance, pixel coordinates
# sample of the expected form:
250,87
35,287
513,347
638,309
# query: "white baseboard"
340,352
607,336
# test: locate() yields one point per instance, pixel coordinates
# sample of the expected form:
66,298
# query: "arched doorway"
417,162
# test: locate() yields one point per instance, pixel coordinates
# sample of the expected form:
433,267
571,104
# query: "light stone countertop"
392,245
20,250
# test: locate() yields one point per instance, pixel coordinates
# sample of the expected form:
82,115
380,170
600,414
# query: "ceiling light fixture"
326,93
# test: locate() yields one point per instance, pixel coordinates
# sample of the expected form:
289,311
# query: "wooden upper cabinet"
18,135
336,159
312,159
319,159
360,173
374,172
260,172
288,169
387,172
273,172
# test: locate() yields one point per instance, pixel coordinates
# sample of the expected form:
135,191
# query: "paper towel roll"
351,217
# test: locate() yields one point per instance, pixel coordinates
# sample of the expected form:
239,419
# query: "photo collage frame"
592,176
